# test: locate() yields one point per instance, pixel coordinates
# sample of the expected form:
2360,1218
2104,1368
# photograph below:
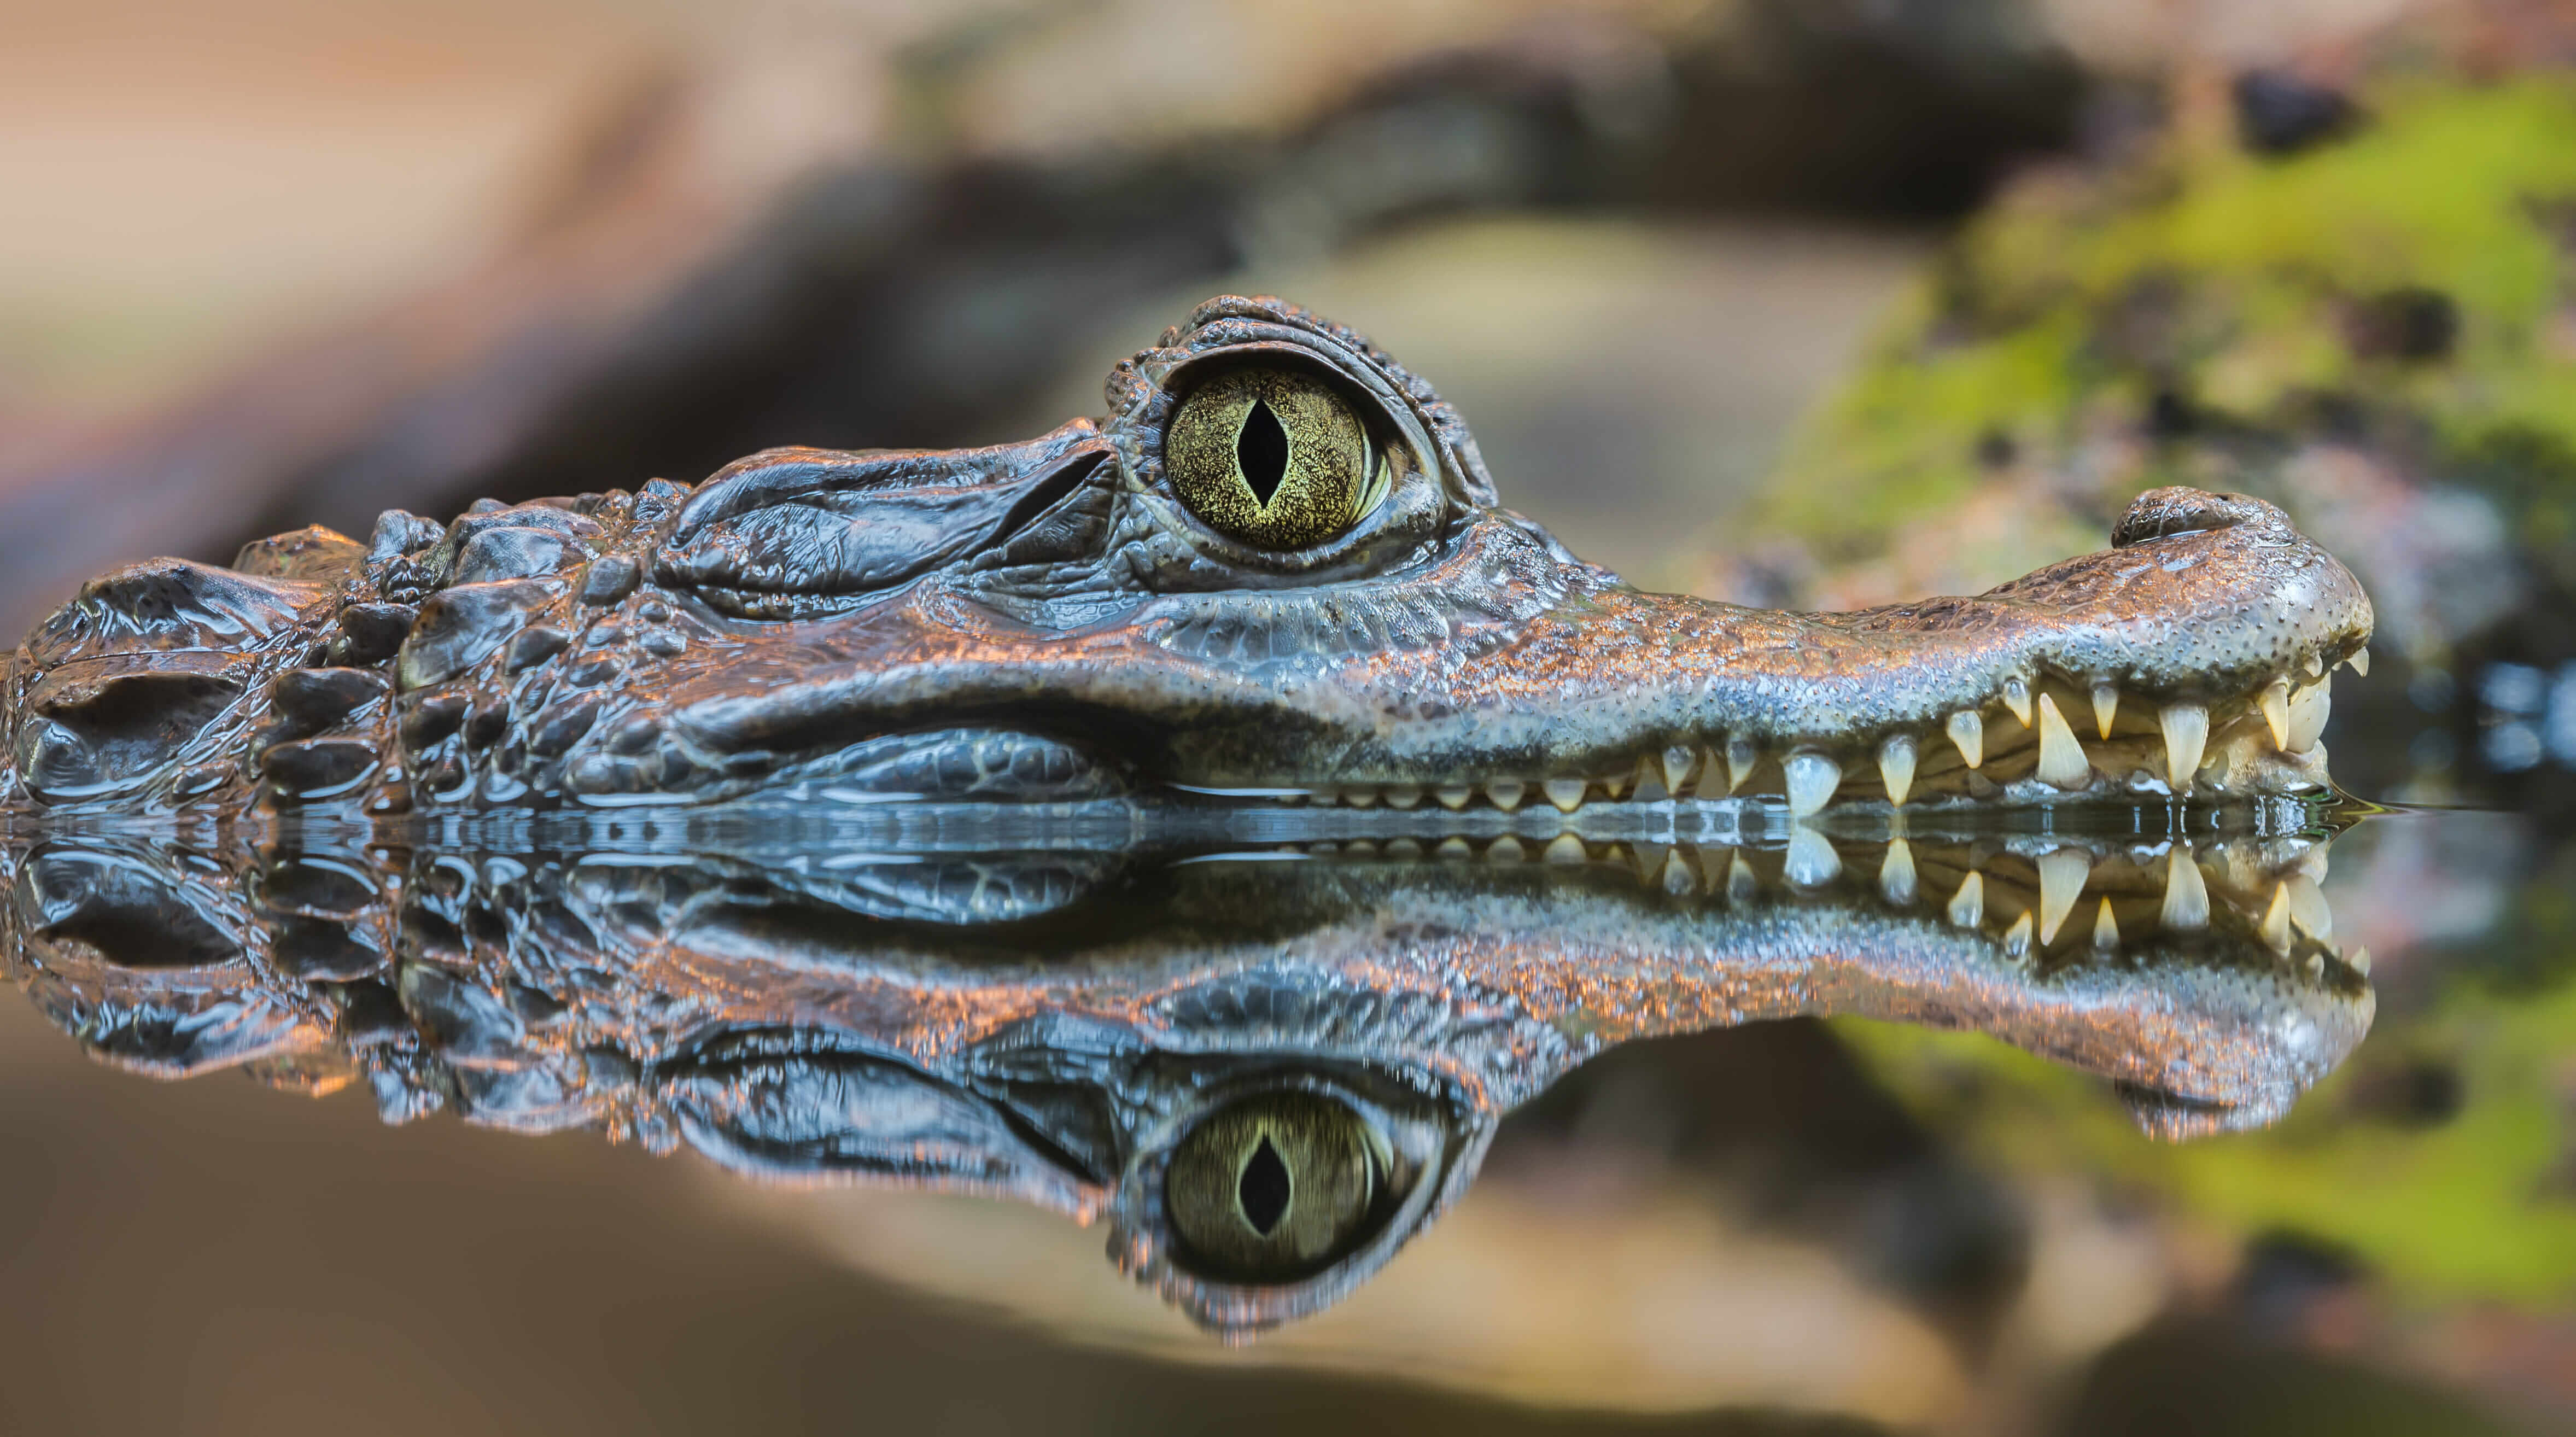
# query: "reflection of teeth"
1676,876
1741,755
2308,710
2061,758
2186,729
1812,781
1969,732
1454,848
2276,711
1453,796
2308,907
2017,937
1677,769
2275,927
1565,793
2017,698
2106,929
1564,848
2106,707
2186,896
2062,873
1740,880
1812,860
1968,905
1505,849
2360,661
1505,793
1402,795
1896,873
1896,766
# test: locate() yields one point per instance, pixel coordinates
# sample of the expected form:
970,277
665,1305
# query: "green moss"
2480,1205
2236,284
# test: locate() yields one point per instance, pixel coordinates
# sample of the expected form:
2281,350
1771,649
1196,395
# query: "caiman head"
1277,569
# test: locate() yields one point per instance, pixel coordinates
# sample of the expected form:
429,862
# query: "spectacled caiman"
1277,570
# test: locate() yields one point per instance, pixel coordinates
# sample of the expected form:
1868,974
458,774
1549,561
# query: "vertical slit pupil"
1264,1188
1261,451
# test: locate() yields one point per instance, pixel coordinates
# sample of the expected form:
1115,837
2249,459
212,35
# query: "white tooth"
2360,661
1454,796
1649,785
1676,877
2358,960
1741,883
2308,907
2061,758
1896,873
2106,929
1969,732
1505,849
1896,766
1812,781
1615,785
2276,919
1360,797
1506,793
2316,665
1677,768
1741,756
2106,707
2062,872
1565,793
2186,896
2186,729
2276,711
1564,848
2017,937
2308,710
1403,848
1403,795
2017,698
1363,846
1455,848
1812,860
1968,905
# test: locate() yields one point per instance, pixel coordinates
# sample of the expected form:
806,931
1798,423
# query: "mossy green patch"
2205,299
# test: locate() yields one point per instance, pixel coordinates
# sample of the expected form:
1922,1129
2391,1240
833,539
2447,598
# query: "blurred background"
1810,302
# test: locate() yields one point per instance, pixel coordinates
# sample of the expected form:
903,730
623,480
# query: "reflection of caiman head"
1268,1070
1277,567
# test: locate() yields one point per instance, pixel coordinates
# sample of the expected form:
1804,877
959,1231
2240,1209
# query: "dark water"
2249,1118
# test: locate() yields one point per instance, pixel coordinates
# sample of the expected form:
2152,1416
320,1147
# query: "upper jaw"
1503,671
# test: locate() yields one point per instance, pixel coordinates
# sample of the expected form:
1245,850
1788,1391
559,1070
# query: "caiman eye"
1274,1185
1274,457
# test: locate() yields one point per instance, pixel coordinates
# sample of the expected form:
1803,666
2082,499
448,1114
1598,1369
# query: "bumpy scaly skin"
1047,621
1048,1026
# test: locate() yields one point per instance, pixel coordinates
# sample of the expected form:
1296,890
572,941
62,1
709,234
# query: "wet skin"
1267,1067
1276,571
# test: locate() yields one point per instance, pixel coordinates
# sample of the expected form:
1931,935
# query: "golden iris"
1274,457
1274,1185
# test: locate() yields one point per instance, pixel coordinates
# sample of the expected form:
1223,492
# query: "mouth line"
2034,742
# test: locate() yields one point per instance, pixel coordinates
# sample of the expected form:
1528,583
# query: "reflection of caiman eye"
1275,1185
1274,458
